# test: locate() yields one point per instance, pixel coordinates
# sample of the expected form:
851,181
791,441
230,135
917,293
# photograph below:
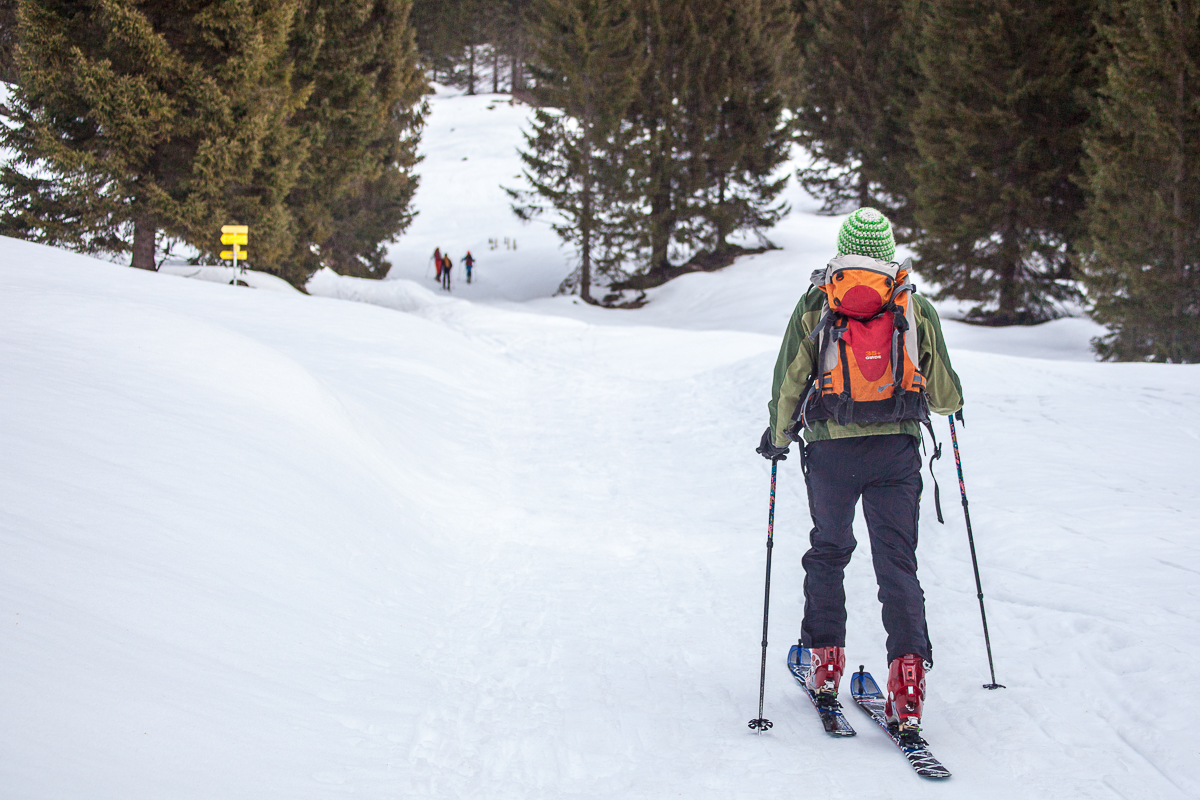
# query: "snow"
497,544
252,278
469,150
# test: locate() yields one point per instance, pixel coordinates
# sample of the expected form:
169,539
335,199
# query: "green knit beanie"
867,232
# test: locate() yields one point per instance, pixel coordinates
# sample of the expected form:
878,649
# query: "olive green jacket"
798,354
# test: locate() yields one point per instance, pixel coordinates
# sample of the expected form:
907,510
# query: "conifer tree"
258,196
1143,166
473,25
668,35
577,153
358,63
711,108
438,38
8,41
454,36
856,94
999,132
139,118
513,40
452,33
741,79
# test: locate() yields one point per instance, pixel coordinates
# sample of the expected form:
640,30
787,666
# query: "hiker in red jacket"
437,262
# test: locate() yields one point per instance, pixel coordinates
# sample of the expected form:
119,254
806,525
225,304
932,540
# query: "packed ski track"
498,544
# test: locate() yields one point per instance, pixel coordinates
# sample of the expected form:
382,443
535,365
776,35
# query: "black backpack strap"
845,406
823,323
937,453
899,329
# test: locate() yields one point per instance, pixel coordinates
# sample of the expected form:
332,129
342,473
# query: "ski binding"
870,699
832,718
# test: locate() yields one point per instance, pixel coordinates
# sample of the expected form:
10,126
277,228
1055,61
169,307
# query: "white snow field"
469,150
263,545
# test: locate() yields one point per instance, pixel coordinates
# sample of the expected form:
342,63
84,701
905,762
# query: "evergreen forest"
139,126
1036,158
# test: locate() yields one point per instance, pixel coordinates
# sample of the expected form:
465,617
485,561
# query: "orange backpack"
868,364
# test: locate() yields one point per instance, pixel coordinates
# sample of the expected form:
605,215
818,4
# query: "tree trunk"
1010,251
660,207
1176,352
1181,103
518,64
864,188
724,225
495,70
585,239
660,231
144,233
471,69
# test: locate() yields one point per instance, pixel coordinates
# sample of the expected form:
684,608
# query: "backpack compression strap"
937,453
899,329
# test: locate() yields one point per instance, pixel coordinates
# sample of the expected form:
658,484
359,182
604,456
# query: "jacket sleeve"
942,385
792,368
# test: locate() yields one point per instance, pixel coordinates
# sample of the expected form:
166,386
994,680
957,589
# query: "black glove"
767,449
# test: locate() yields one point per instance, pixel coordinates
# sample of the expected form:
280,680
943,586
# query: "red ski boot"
906,693
825,672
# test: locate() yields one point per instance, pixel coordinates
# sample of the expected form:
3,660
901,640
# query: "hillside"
260,544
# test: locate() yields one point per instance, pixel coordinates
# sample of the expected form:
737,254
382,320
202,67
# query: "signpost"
236,235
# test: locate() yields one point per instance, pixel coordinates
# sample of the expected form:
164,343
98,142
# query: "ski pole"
962,488
760,724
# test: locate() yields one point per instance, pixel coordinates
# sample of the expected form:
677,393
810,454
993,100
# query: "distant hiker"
469,261
437,262
447,263
862,365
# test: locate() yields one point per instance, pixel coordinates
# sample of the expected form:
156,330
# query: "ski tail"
863,685
870,698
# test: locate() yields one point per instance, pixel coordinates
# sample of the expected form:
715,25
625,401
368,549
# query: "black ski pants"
885,471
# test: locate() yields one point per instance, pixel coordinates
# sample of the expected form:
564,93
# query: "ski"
866,693
832,718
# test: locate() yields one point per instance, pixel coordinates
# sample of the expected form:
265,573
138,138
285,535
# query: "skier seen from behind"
447,263
862,365
437,262
469,261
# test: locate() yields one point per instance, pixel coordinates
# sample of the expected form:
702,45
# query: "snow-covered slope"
469,151
252,278
265,545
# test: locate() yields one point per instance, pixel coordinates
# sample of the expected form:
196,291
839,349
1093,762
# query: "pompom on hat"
867,232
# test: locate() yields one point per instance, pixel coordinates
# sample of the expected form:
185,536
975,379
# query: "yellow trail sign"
242,229
242,254
235,238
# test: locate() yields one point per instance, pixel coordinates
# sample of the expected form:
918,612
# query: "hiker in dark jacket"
469,261
856,450
447,263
